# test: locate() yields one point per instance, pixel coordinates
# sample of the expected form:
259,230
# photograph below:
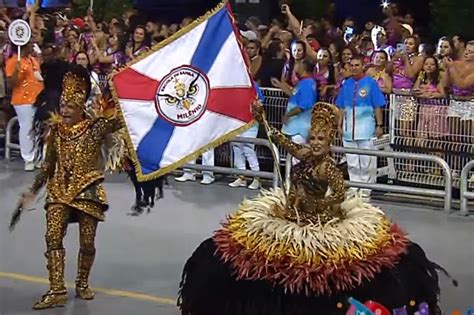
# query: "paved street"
139,260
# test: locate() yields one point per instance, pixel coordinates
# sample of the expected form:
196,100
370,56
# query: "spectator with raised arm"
273,62
298,54
302,32
460,78
432,122
406,66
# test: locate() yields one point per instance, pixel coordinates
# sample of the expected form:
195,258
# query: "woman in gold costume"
72,172
310,251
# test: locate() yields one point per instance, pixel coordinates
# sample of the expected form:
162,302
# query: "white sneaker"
29,166
352,192
255,185
207,180
185,177
365,193
239,182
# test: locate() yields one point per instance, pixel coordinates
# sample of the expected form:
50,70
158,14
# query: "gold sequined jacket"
317,185
71,168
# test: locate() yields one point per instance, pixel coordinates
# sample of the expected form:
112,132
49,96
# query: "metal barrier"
249,173
2,138
465,194
430,126
447,194
415,125
8,138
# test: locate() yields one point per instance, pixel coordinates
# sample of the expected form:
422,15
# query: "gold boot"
84,265
57,294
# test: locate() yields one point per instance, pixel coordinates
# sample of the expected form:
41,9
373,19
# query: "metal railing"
2,137
234,171
415,125
446,194
429,126
9,145
464,193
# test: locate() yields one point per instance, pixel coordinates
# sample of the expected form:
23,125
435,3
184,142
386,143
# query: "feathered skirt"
259,263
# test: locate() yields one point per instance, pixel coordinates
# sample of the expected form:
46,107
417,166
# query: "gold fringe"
131,150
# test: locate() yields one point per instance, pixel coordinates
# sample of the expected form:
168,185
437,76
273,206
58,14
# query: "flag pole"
277,166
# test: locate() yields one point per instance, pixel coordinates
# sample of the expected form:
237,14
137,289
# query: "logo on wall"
182,96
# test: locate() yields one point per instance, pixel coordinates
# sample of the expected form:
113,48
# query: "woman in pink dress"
406,66
445,48
461,108
324,73
343,70
298,53
139,43
432,122
378,71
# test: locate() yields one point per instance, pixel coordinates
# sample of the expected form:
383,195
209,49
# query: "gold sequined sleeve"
103,126
336,184
282,140
49,163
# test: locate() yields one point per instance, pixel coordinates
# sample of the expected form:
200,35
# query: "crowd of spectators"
392,53
395,55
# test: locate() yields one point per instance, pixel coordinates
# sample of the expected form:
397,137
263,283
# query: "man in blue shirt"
360,101
297,119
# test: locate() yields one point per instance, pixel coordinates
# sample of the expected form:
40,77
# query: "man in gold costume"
73,176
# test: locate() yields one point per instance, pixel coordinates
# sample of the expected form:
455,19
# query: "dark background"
435,17
361,10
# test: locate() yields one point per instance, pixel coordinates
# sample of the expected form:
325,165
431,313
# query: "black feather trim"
16,216
208,287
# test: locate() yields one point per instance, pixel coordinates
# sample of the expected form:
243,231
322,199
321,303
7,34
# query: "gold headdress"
325,118
75,90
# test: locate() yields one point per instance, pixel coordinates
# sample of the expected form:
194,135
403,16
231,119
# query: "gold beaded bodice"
72,158
317,185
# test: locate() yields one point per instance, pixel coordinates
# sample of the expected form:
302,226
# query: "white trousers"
207,159
298,139
361,168
25,114
243,152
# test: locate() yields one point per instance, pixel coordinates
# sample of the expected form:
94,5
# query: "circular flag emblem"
182,96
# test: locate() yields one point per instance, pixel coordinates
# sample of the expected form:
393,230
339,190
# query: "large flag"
190,93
